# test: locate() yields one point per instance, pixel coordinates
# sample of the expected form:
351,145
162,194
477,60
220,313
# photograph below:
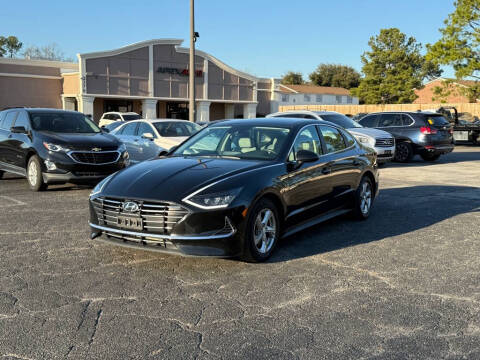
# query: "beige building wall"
30,92
71,84
217,111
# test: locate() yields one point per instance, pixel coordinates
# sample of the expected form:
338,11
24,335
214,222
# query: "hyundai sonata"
236,187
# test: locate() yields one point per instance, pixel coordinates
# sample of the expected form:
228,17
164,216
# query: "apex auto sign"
176,71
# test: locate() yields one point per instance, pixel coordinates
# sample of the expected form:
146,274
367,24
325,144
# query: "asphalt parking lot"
403,284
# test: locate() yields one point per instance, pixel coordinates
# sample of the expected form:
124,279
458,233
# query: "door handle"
326,170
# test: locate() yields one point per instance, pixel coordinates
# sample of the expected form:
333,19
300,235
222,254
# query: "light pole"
191,70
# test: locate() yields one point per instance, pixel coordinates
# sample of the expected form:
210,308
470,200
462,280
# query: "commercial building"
150,78
313,95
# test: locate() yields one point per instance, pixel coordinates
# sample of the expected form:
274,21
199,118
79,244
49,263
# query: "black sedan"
236,187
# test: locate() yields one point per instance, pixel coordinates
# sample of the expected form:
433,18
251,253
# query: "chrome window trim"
168,237
94,152
387,127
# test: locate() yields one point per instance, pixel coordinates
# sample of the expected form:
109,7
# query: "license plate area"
387,152
130,222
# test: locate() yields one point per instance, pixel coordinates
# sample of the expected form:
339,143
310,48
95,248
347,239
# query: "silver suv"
382,141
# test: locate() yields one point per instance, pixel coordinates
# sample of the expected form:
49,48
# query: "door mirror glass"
304,156
163,153
104,129
18,130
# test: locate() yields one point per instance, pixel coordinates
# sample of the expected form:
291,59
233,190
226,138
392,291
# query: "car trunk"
440,128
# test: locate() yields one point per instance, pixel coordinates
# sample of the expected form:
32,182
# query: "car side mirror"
163,153
104,129
148,136
304,156
18,130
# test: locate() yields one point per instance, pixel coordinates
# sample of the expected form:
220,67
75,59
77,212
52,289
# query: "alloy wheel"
32,173
265,230
402,152
365,198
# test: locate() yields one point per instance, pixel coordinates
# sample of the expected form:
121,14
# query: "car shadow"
453,157
397,211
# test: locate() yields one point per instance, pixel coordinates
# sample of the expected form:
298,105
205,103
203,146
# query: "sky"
263,37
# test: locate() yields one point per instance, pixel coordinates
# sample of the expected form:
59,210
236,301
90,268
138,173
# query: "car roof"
159,120
121,113
50,110
397,112
280,122
314,112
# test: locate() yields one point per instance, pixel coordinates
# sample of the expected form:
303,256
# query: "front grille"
96,158
157,218
386,142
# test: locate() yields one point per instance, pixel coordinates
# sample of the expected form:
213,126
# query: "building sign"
175,71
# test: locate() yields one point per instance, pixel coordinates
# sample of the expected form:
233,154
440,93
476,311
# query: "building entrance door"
177,110
118,105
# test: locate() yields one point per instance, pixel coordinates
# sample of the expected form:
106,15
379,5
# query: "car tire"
403,152
262,231
34,174
364,197
430,157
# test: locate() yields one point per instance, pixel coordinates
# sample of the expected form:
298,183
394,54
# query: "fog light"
50,165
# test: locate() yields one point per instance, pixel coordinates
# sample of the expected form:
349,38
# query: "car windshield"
131,117
175,128
237,142
340,120
63,122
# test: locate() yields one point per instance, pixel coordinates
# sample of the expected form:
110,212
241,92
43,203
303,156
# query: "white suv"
110,117
382,141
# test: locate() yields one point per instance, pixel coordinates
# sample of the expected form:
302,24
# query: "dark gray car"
424,133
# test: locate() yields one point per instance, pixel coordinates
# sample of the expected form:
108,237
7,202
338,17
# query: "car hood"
81,141
168,142
173,178
375,133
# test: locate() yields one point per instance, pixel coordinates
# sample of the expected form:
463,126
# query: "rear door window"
332,138
387,120
407,120
144,128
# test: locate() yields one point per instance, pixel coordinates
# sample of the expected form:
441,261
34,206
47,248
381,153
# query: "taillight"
427,130
450,131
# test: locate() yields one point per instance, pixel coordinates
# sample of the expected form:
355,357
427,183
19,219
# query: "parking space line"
14,201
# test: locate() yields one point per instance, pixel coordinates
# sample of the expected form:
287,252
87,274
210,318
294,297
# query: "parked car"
424,133
112,126
147,139
235,187
55,146
110,117
381,141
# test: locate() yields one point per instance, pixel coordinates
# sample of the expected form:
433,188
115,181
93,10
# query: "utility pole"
191,70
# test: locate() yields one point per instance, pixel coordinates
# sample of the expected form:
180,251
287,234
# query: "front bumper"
385,154
203,233
67,170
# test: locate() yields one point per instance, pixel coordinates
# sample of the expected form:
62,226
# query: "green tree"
393,68
459,44
293,78
3,50
335,75
442,92
10,44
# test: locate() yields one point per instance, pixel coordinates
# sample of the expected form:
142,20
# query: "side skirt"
314,221
13,169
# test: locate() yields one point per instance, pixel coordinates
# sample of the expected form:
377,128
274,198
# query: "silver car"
146,139
382,141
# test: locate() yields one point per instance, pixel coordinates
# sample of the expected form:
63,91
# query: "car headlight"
99,187
366,140
122,147
55,147
212,200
